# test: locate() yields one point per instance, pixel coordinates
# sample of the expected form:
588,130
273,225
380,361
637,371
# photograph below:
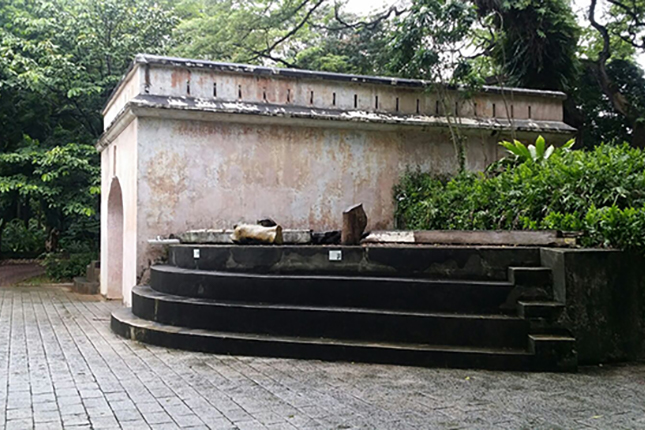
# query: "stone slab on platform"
219,236
295,237
223,236
474,237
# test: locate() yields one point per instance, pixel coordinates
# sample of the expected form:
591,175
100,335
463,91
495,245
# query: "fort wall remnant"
196,144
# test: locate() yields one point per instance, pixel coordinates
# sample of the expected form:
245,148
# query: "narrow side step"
554,352
530,276
540,309
126,324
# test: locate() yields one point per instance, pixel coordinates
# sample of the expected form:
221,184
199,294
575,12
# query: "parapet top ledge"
316,75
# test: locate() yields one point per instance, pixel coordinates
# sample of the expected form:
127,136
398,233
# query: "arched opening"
115,242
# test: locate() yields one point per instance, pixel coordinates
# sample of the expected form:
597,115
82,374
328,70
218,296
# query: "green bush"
600,193
61,267
23,240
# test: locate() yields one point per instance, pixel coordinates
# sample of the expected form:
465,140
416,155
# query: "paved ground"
60,366
13,273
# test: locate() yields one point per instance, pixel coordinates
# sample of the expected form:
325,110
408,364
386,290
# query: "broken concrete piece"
326,237
300,237
220,236
354,223
223,237
253,233
389,237
267,222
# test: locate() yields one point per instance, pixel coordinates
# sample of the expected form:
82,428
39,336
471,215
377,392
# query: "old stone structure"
195,144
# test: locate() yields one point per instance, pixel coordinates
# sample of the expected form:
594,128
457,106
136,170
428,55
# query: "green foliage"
428,40
599,122
537,153
537,42
63,179
64,267
248,31
59,61
572,190
20,240
334,48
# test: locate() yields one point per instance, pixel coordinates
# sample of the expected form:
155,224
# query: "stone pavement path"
61,367
13,273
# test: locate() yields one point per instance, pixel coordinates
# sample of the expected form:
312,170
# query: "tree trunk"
618,100
2,226
638,136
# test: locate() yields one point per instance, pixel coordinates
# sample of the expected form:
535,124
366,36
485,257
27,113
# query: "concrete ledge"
316,75
474,237
356,116
483,263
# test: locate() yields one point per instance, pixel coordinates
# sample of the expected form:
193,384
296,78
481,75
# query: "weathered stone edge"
146,105
312,74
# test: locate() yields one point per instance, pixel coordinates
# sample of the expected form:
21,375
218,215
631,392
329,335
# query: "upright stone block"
354,223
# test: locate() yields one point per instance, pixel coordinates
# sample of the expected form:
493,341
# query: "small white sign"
196,254
335,255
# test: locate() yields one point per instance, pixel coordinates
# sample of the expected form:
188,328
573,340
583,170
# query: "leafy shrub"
534,153
61,267
23,240
82,236
600,193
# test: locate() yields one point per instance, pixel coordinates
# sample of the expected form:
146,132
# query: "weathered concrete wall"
604,294
130,87
212,175
119,163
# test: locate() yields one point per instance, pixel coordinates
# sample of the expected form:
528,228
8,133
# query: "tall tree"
535,43
256,32
59,60
630,19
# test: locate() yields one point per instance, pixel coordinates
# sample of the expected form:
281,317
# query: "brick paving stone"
62,367
52,425
19,424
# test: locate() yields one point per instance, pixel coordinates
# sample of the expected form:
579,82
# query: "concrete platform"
459,306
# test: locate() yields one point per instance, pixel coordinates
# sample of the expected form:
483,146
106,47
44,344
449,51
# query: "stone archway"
115,242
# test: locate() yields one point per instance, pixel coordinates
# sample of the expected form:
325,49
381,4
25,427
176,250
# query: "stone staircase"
463,307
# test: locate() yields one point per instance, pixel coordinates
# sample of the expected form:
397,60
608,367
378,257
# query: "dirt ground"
11,273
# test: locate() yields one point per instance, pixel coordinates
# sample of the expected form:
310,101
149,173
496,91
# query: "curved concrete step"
331,322
453,262
333,290
126,324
